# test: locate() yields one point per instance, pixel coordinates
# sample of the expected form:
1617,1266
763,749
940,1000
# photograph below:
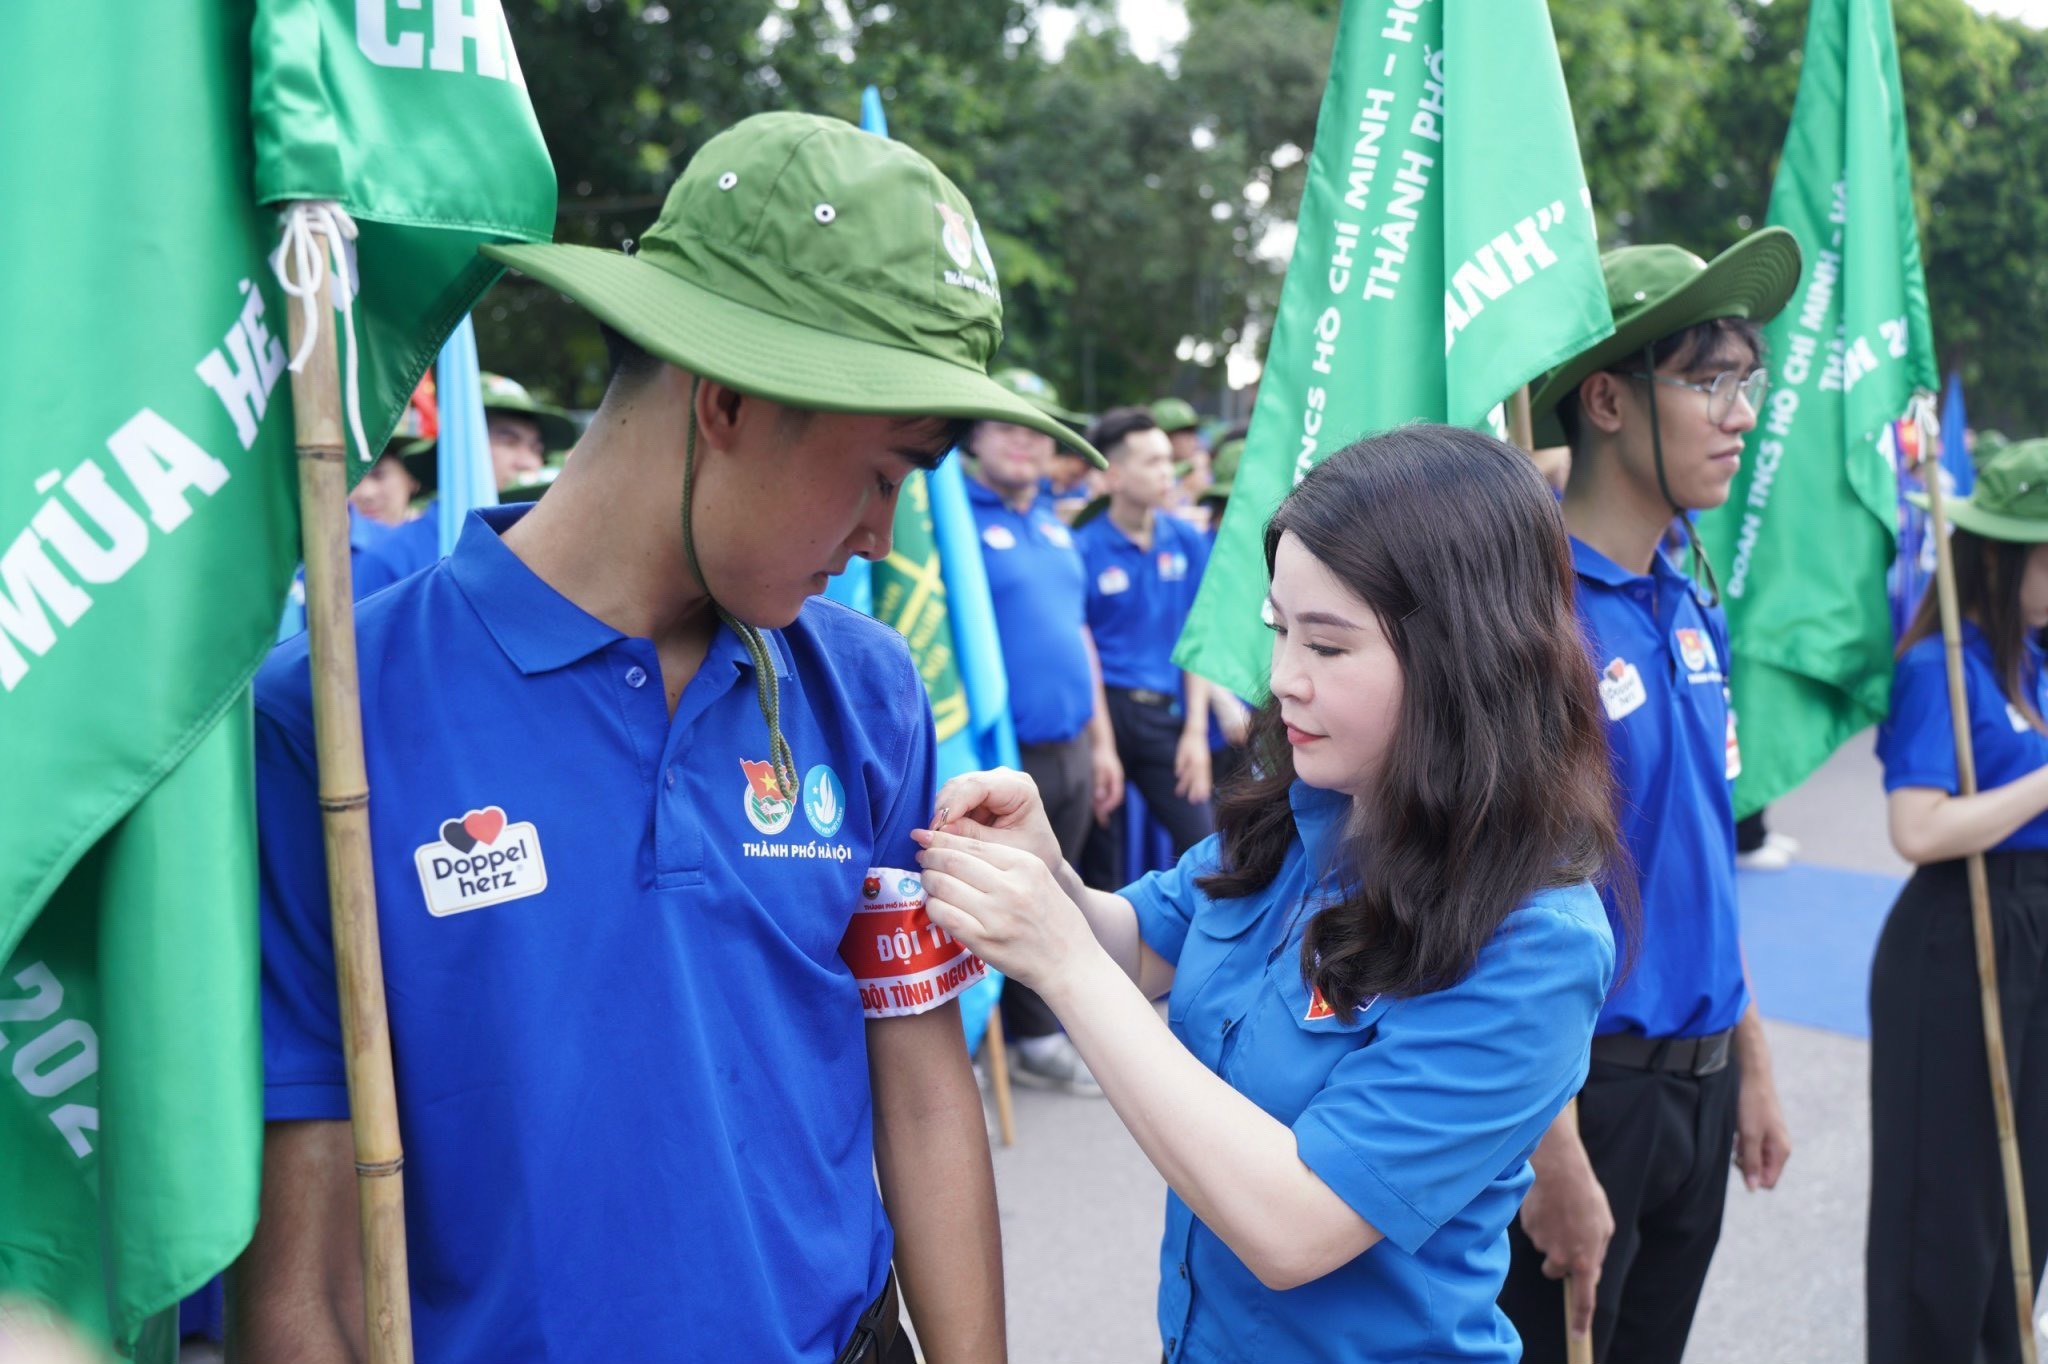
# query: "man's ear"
1601,401
721,411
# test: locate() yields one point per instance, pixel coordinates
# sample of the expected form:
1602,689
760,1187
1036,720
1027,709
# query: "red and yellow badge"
1318,1007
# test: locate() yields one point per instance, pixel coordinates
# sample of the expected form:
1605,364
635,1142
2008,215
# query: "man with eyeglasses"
1629,1188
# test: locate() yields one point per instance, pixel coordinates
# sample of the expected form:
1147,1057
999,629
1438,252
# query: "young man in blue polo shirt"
1040,590
665,1006
1629,1190
1143,568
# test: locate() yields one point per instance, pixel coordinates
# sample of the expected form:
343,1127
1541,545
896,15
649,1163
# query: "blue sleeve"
1458,1085
1167,900
1917,743
915,756
304,1075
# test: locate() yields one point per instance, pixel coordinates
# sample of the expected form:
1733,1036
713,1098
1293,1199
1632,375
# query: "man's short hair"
1702,343
1118,425
630,363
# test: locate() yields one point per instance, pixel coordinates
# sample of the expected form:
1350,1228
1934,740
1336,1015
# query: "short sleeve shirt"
1661,657
1917,744
627,974
1138,598
1040,591
1420,1113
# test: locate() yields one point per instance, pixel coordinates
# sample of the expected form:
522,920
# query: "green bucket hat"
1223,469
2010,501
422,460
1987,447
529,489
810,263
1174,414
1094,507
1041,395
1655,291
557,428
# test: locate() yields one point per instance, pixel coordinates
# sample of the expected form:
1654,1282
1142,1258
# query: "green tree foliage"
1139,212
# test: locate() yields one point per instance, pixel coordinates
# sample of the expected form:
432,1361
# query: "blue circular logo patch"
824,801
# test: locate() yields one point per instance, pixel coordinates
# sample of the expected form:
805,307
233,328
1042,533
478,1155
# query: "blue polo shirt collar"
538,628
1590,564
983,495
1319,818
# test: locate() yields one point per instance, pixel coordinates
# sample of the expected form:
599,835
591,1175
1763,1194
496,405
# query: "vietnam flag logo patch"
769,807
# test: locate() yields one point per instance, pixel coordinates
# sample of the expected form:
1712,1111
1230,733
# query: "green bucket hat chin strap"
767,687
1702,567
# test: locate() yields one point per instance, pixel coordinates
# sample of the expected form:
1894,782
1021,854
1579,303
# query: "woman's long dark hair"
1496,784
1988,574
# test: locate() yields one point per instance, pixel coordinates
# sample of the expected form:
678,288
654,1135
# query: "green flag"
1808,530
910,595
1446,254
148,528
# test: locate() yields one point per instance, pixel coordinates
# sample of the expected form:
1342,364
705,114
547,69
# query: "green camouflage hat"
1040,394
557,428
2010,501
1656,291
1174,414
815,265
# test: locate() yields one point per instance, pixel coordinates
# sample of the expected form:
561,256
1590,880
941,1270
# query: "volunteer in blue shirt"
1630,1184
665,1006
1064,741
1382,974
522,431
1143,568
1940,1272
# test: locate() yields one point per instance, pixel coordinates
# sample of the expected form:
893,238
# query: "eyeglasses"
1722,390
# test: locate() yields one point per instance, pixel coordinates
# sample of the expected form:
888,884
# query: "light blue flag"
855,586
990,737
462,451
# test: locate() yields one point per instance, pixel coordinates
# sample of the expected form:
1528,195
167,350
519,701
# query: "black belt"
876,1330
1695,1056
1159,700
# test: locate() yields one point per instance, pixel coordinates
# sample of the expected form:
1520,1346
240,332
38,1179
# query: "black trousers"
1146,739
1938,1269
1066,783
1661,1145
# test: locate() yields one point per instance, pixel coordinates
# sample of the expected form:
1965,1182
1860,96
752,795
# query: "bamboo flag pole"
1522,431
1980,911
345,818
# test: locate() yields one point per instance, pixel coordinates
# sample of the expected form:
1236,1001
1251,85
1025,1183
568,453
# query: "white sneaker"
1052,1063
1785,841
1770,857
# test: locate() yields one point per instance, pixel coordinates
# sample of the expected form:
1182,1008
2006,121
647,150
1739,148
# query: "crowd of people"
1445,924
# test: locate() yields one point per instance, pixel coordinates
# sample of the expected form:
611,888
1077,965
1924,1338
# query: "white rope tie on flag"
304,221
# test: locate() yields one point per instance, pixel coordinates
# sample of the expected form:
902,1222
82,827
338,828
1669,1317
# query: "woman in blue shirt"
1939,1272
1383,972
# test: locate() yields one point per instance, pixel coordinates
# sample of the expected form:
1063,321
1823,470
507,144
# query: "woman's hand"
1006,809
1003,903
